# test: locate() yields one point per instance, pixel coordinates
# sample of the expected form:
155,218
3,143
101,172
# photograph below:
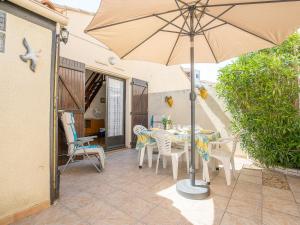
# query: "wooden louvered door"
71,93
139,106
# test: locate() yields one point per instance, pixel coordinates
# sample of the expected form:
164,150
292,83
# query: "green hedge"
261,91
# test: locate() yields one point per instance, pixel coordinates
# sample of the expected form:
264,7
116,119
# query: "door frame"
124,113
141,83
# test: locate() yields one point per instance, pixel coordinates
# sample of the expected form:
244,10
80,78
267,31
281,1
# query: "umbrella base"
197,192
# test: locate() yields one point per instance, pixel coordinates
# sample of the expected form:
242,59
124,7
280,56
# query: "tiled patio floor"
126,195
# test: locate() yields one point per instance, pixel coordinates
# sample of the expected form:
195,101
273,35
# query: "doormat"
275,180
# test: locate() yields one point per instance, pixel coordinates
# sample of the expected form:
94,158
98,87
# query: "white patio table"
182,136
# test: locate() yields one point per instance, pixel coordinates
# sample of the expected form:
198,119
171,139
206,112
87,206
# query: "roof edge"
66,7
42,10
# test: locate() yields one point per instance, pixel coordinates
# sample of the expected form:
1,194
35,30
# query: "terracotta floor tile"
136,207
278,193
230,219
198,217
48,216
252,172
242,195
271,217
118,198
77,200
222,190
294,183
126,195
222,181
249,187
250,178
248,210
115,217
297,196
164,216
288,207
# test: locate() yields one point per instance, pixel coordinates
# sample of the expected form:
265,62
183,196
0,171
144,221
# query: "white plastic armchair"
164,144
138,130
218,150
80,145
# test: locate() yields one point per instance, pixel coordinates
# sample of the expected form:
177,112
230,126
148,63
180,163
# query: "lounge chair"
80,146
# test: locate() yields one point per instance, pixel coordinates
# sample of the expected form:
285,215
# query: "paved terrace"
126,195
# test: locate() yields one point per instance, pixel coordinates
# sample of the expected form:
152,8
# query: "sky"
208,72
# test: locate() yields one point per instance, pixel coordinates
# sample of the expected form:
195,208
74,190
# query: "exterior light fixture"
112,60
64,35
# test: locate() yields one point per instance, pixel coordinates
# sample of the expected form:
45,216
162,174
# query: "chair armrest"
90,138
221,141
77,142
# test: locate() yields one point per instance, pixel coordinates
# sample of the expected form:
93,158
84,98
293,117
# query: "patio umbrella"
192,31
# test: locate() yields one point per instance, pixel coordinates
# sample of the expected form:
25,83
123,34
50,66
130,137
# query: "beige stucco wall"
83,48
210,113
24,119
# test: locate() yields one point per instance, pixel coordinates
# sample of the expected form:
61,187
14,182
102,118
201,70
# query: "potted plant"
166,122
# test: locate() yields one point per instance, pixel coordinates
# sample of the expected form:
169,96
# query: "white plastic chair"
218,150
80,146
138,130
164,144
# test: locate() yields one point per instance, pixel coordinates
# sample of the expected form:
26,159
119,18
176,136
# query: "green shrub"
261,90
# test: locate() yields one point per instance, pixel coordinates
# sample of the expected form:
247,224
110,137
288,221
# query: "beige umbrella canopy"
182,31
157,31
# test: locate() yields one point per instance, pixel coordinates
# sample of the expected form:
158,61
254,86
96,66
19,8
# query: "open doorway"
105,109
97,101
95,106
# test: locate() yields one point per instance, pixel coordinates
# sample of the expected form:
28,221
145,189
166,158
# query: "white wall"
160,77
25,119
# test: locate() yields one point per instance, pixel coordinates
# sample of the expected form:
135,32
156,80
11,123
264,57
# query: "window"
115,99
2,42
2,21
2,28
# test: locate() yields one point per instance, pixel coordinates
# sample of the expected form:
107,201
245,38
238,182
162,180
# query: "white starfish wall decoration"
30,55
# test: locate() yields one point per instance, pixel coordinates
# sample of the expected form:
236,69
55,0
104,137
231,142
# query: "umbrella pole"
193,99
192,188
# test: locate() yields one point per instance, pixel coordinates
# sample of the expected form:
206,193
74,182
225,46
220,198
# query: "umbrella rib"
174,32
184,3
177,39
150,36
211,28
240,28
201,15
213,53
171,23
135,19
252,3
215,18
182,14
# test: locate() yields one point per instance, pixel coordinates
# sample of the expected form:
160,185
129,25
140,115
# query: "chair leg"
213,164
139,156
142,155
165,161
175,166
150,153
91,161
157,163
187,158
101,161
226,164
205,171
233,166
69,160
